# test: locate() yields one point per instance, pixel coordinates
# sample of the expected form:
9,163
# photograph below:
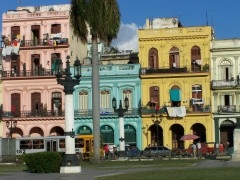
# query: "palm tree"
100,18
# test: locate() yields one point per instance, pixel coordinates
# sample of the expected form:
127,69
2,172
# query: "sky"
222,15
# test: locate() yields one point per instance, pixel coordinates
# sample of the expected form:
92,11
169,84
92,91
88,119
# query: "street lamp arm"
120,111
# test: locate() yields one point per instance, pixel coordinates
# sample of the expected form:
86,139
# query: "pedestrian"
106,151
217,148
194,148
221,148
199,149
227,145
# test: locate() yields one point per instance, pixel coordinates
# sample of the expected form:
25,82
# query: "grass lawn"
180,174
155,169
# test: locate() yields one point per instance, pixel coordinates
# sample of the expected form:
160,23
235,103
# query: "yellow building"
175,83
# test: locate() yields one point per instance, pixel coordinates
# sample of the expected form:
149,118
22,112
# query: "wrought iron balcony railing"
44,42
29,73
184,69
104,112
223,83
29,114
227,109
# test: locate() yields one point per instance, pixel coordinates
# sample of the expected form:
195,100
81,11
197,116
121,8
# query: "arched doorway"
36,132
226,133
17,132
130,135
177,133
199,130
107,134
57,131
84,130
156,135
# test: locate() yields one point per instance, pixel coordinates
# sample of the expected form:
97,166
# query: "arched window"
175,96
107,134
127,93
84,130
154,96
130,135
196,61
174,60
225,70
153,58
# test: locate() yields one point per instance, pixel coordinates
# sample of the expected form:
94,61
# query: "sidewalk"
89,174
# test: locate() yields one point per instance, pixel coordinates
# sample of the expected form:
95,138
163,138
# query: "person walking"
194,148
217,148
199,149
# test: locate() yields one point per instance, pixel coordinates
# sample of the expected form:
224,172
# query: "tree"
100,18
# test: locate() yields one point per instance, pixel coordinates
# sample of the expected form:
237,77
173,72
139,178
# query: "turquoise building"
119,78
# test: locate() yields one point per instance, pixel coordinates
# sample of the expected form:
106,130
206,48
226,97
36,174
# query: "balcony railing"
224,83
29,114
104,112
227,109
29,73
184,69
44,42
195,108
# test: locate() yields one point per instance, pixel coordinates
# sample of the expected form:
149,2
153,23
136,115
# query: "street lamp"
121,112
157,119
70,162
11,124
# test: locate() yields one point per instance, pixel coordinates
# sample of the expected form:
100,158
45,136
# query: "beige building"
176,98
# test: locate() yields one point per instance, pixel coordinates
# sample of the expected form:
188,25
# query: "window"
197,94
175,96
225,69
105,100
196,58
55,28
153,58
154,96
83,100
174,60
128,94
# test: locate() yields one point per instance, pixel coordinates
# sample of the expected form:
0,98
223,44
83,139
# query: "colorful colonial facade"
34,38
175,77
225,73
119,78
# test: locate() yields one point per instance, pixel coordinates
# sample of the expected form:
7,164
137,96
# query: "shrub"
43,162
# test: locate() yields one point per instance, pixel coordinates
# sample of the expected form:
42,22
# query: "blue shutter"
175,95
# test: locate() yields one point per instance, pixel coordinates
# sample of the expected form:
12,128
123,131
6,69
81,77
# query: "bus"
83,145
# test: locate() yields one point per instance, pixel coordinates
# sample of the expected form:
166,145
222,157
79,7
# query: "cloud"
127,37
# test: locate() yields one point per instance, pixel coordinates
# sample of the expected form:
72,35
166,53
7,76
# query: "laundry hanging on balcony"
176,111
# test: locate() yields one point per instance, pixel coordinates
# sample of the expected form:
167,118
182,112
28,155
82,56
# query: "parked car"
133,151
157,151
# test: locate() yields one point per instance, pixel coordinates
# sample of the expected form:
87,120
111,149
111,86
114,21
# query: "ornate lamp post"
70,163
157,119
11,124
121,112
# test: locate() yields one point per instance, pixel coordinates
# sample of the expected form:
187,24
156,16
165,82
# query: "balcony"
112,70
195,108
30,114
28,73
219,84
104,112
44,42
184,69
227,109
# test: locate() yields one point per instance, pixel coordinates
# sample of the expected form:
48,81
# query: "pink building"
34,39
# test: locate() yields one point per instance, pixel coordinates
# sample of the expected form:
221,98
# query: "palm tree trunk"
96,99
